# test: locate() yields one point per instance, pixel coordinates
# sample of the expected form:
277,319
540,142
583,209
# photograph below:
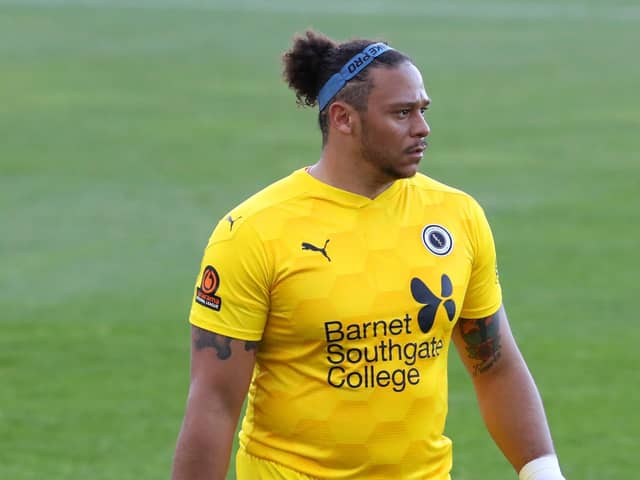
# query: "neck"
350,172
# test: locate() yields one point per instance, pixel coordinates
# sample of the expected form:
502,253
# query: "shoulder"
432,191
263,211
281,191
455,208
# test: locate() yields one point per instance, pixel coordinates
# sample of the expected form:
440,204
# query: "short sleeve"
484,295
231,295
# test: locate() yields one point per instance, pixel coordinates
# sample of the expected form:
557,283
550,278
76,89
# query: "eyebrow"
425,104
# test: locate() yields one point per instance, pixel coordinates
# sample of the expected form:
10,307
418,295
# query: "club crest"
437,239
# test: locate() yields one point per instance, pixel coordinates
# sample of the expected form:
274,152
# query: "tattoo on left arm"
482,341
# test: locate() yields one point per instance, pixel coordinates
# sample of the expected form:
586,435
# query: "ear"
342,117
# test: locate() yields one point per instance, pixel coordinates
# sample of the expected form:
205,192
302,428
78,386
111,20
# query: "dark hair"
314,58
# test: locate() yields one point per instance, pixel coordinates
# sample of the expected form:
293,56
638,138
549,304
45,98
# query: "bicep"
221,367
486,344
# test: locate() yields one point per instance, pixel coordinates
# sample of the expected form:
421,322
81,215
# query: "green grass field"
128,128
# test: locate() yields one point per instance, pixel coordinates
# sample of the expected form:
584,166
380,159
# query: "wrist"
542,468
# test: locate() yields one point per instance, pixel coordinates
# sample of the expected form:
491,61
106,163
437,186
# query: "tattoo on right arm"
220,343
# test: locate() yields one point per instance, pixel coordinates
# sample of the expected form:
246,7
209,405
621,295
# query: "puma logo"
232,221
313,248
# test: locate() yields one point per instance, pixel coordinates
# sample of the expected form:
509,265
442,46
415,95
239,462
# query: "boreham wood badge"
437,239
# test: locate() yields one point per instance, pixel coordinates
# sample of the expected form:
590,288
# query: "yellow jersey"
353,301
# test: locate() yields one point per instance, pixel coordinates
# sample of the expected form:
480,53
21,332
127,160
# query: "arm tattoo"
482,341
220,343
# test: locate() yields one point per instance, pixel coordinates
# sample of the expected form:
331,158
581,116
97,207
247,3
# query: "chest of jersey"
370,274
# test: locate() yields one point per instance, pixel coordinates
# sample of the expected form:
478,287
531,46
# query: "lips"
417,148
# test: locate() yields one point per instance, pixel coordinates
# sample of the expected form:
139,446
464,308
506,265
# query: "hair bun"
304,64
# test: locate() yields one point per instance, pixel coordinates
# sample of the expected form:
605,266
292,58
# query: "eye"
423,111
404,112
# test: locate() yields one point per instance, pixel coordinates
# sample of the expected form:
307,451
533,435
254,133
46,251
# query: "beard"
390,164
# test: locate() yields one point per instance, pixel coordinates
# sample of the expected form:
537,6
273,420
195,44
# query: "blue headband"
350,69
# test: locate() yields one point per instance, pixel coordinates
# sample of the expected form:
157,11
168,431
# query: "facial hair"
375,153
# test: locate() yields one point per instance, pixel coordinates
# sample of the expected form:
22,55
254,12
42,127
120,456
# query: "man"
333,295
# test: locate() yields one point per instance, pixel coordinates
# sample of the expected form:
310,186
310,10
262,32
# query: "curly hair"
314,58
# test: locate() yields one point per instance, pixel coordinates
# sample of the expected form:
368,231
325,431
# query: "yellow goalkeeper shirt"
353,301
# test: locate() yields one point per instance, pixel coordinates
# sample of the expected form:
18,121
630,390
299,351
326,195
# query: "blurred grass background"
128,127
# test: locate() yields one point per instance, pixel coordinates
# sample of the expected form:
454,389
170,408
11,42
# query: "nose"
421,128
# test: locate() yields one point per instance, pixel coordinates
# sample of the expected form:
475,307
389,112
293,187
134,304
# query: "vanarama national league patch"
205,293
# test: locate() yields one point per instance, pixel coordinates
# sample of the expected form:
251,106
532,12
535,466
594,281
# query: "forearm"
205,442
513,412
